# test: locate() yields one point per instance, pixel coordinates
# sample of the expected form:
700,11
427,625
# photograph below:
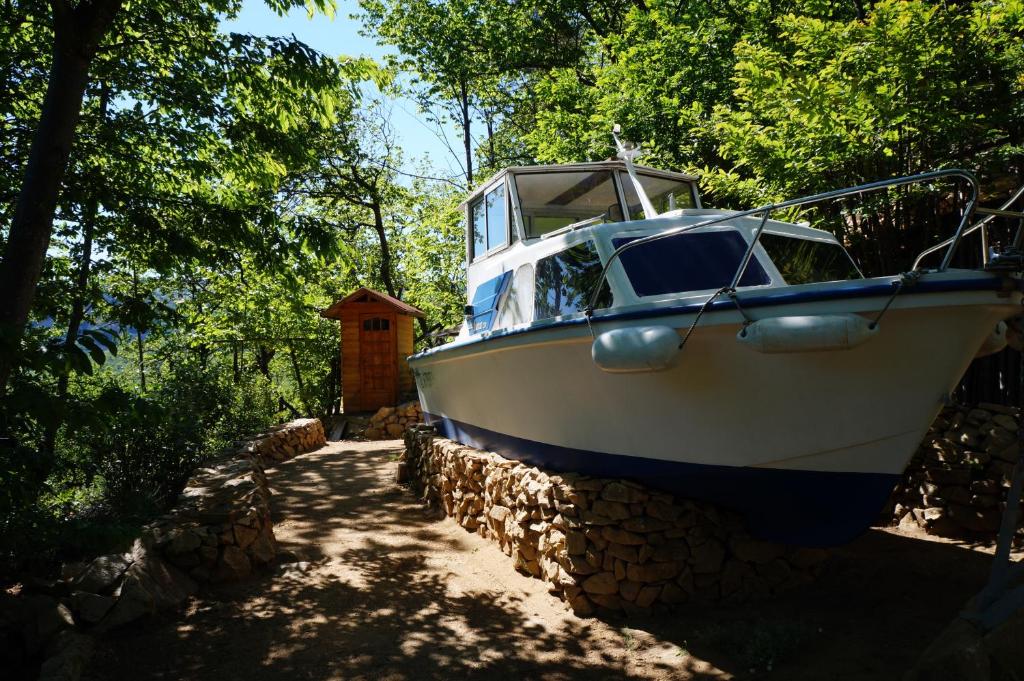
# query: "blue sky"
340,36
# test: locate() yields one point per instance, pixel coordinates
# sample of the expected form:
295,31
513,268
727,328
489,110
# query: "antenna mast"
627,151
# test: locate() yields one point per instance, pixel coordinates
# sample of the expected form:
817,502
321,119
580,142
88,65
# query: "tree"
79,31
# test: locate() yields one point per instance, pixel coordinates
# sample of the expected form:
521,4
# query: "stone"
581,606
102,574
975,519
644,525
90,607
663,510
394,430
610,509
647,595
68,657
707,557
629,590
623,552
1005,421
617,491
651,572
575,542
614,534
601,583
672,594
263,549
610,601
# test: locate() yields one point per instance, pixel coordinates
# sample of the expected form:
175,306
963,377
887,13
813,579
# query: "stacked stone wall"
286,441
956,484
219,530
391,422
600,543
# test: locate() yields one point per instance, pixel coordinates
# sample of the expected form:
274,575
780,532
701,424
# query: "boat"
618,328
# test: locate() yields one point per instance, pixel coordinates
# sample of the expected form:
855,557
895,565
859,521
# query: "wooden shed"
376,339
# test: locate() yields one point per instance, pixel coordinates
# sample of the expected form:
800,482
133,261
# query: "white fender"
994,342
636,349
808,333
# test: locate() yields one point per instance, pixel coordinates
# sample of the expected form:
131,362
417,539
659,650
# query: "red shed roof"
363,295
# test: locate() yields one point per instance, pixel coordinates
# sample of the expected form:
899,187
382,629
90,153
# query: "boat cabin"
538,237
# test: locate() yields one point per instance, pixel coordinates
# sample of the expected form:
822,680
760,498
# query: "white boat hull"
808,445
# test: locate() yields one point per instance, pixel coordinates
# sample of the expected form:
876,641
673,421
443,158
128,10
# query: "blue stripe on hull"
805,508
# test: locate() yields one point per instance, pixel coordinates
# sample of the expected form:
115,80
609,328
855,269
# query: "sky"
340,36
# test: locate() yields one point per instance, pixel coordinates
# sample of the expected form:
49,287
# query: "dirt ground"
391,592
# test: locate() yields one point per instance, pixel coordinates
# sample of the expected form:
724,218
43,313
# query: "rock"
707,557
102,574
581,606
652,572
617,491
623,552
629,589
68,657
601,583
610,509
958,654
90,607
647,595
663,510
614,534
394,430
575,542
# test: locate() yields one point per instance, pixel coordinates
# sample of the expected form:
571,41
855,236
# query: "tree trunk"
77,33
385,250
467,122
138,335
298,381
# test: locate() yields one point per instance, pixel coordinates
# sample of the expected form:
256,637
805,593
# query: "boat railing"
766,212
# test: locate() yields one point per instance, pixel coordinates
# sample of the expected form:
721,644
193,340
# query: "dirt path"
390,592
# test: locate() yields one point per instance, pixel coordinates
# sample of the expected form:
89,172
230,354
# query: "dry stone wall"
956,484
219,530
286,441
600,543
391,422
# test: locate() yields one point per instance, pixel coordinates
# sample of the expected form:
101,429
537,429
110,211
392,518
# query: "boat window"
566,280
803,261
488,217
665,194
550,201
688,262
485,302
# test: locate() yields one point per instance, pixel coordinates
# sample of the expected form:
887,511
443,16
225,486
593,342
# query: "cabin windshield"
551,201
665,194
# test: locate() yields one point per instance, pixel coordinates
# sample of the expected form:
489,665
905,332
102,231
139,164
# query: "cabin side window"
486,299
688,262
566,280
803,261
489,225
665,194
551,201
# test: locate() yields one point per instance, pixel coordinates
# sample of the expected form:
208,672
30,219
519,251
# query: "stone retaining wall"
286,441
600,543
219,530
956,484
391,422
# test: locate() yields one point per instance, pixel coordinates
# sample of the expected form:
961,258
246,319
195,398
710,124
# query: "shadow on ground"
391,592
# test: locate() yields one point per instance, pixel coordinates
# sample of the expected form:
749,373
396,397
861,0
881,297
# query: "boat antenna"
627,151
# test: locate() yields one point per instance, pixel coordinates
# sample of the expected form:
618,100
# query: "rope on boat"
906,279
701,311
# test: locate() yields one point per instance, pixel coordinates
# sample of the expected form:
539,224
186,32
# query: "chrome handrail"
770,208
992,214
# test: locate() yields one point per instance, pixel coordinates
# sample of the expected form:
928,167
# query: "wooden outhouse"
376,339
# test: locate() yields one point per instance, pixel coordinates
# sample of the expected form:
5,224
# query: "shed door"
377,371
